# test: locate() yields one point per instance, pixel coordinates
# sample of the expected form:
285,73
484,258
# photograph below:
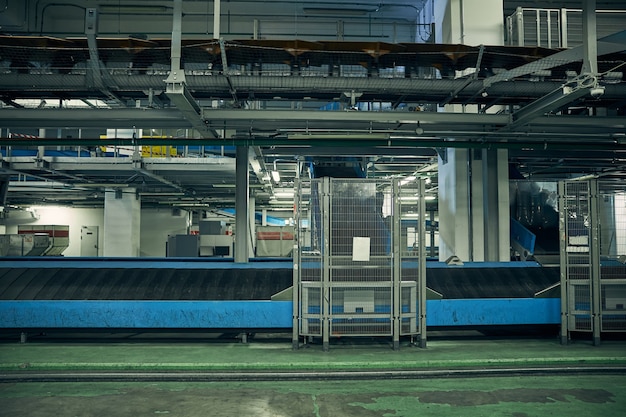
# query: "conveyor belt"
65,280
501,282
196,294
167,283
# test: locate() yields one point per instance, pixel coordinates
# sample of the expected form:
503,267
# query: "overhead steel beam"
176,88
139,167
288,121
226,73
114,167
553,101
453,95
93,118
590,38
49,167
257,163
12,103
606,45
281,116
16,85
101,78
504,140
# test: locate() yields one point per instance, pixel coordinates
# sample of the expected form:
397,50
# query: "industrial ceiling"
359,83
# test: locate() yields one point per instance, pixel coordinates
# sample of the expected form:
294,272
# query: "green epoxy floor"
513,396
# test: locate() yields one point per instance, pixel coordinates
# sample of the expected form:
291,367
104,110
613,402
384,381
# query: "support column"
473,184
217,14
466,22
41,149
326,272
122,220
242,191
594,241
474,205
495,221
454,208
590,38
396,283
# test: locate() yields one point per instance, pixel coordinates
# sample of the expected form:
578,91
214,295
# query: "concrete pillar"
473,183
470,22
217,15
122,218
454,208
496,212
590,38
474,205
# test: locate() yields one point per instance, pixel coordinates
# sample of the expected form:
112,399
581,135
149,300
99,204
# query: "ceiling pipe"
604,142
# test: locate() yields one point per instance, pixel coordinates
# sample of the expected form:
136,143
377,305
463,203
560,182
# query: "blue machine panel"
252,314
146,314
493,311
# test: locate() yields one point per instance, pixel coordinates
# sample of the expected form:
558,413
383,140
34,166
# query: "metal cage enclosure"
359,267
593,258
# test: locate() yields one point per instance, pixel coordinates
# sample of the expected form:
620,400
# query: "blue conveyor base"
250,314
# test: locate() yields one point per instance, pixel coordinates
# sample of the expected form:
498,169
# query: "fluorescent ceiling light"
103,185
410,215
130,8
429,167
336,11
284,194
177,204
160,194
416,198
408,179
275,202
340,135
276,176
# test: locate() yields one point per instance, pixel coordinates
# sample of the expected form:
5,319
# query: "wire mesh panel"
308,262
593,246
358,248
577,272
612,217
361,269
411,222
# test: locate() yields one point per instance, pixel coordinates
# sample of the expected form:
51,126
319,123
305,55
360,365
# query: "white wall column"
470,22
495,206
122,222
454,214
473,183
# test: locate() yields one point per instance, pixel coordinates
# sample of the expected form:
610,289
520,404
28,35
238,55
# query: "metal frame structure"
593,280
354,274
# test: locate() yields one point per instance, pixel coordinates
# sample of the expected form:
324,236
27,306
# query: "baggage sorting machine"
46,294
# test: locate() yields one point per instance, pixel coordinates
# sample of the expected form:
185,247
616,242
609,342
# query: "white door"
89,241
